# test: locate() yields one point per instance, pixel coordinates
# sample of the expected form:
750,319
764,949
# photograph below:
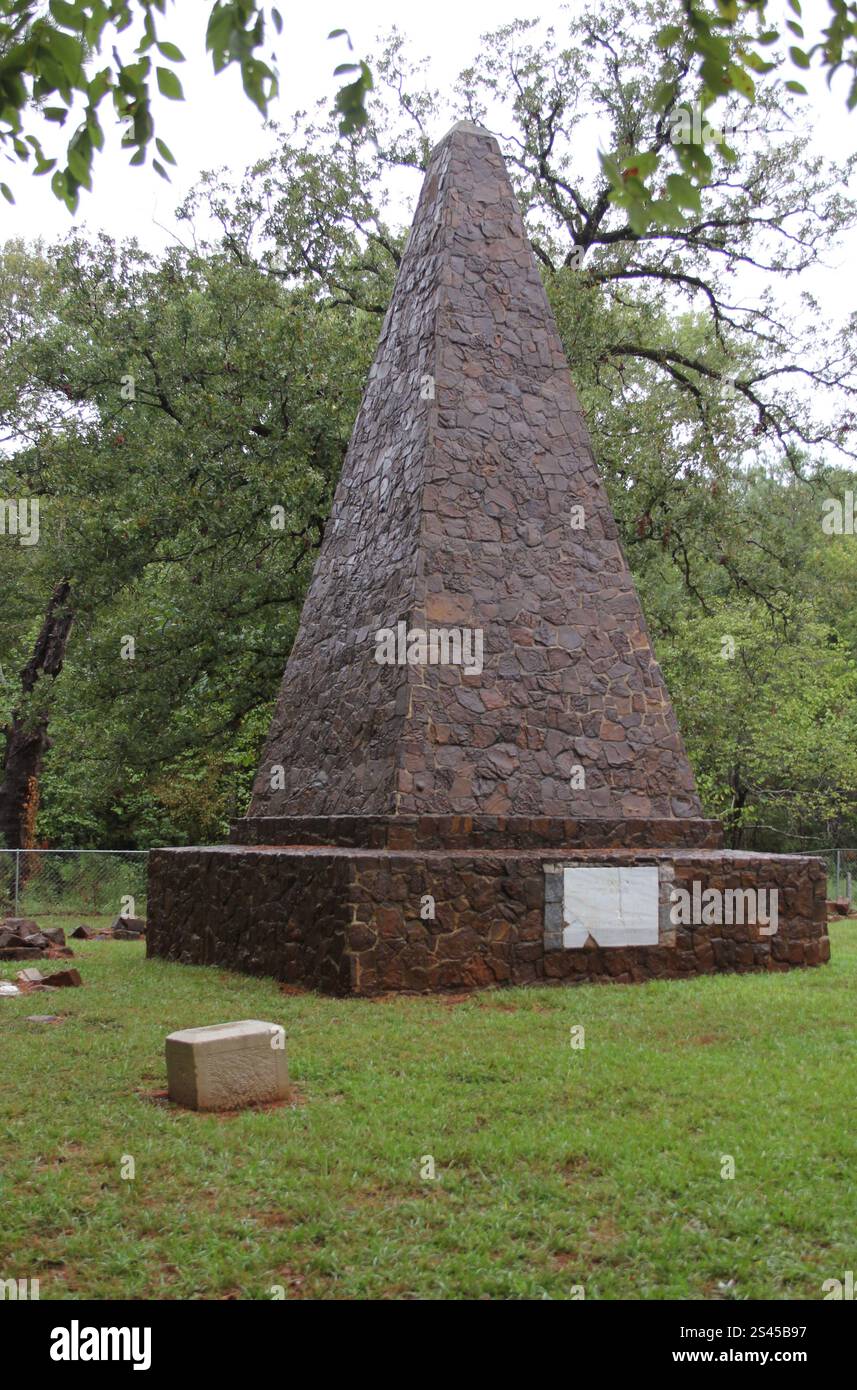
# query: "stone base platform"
346,919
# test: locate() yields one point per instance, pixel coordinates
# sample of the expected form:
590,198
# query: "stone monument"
474,775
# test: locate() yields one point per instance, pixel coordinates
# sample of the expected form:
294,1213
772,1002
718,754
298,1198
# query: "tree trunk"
27,739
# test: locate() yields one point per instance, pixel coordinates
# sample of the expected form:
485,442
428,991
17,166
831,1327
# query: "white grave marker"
227,1065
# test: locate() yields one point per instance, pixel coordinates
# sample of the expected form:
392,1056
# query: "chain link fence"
92,886
95,885
841,871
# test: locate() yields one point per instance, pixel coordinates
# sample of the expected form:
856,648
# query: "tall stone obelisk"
470,499
474,774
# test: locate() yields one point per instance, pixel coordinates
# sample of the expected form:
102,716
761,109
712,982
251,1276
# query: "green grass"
555,1167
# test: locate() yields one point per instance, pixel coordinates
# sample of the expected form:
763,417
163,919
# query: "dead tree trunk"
27,736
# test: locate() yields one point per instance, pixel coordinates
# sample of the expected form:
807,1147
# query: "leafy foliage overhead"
727,45
52,69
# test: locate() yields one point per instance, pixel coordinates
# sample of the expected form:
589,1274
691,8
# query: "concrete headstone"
227,1065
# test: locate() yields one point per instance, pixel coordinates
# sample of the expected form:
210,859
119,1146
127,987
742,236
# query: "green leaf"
758,64
666,213
169,50
68,53
80,159
639,166
7,192
799,58
794,86
69,16
99,85
164,151
667,36
169,85
351,102
714,74
742,81
256,76
58,185
96,134
683,192
664,95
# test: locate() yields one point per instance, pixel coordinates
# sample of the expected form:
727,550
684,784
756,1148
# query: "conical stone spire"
470,502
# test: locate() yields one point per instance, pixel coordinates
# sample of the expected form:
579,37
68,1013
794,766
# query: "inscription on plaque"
615,905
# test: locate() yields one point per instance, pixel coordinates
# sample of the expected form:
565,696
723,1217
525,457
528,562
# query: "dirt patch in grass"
162,1099
578,1165
563,1259
396,997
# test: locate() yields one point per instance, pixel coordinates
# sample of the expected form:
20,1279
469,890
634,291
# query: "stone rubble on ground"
838,907
62,979
23,939
30,976
129,928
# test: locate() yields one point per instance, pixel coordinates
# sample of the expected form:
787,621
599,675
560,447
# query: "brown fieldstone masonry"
469,500
457,511
347,921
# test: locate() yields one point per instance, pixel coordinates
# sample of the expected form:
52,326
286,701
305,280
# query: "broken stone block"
133,926
81,934
127,936
55,935
838,907
63,979
20,952
227,1065
30,976
21,926
35,942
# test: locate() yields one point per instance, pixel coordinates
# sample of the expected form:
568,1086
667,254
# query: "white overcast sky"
217,126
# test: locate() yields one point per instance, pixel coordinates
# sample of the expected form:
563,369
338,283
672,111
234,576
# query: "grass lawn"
555,1166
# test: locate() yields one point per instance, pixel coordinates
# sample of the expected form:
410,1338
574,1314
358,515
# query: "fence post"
17,877
848,886
837,873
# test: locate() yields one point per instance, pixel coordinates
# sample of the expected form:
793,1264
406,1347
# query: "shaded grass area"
556,1166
